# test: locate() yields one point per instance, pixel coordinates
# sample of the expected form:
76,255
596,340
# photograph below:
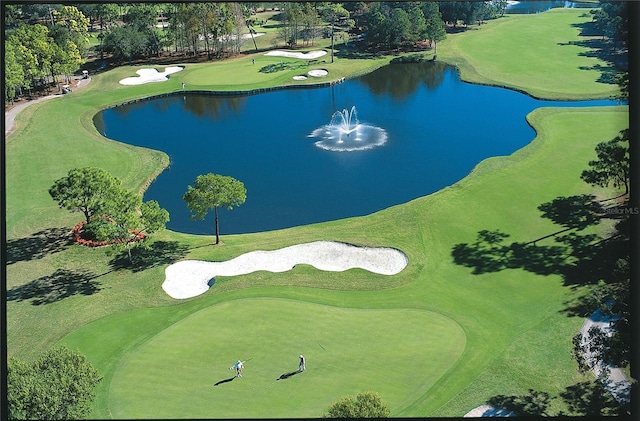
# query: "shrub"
365,405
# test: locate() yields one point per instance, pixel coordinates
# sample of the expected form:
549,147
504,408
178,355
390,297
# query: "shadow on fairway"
287,375
581,259
588,399
225,380
148,256
59,285
38,245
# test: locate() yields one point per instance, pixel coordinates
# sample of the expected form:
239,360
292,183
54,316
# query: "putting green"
398,353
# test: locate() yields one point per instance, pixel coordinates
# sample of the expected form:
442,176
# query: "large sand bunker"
294,54
150,75
190,278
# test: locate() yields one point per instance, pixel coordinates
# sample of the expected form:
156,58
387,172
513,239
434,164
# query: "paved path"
10,116
616,383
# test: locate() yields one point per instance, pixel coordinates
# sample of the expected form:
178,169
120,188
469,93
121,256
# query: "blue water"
535,6
438,127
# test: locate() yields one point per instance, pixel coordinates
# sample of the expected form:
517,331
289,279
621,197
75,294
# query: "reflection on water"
385,81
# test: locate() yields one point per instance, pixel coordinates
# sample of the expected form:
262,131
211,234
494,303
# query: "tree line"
44,41
36,54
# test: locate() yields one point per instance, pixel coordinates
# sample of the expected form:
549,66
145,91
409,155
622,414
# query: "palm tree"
250,21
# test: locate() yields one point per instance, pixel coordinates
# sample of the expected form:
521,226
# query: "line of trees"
393,24
36,54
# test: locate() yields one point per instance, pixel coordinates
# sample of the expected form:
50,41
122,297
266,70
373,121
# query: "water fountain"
346,133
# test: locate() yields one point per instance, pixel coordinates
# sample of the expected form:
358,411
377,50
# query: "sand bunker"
317,73
488,411
293,54
300,77
150,75
190,278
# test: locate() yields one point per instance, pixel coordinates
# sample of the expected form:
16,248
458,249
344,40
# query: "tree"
612,165
34,52
418,28
76,25
87,190
212,191
13,72
435,30
365,405
107,14
60,385
330,12
111,211
399,27
131,219
250,22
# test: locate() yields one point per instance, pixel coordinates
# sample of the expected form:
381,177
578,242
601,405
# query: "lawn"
546,55
471,336
270,333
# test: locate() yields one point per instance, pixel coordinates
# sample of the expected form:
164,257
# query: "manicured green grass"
510,321
545,55
343,347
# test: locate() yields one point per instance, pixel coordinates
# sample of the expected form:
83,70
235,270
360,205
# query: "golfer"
238,367
302,364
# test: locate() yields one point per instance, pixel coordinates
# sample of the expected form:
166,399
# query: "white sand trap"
294,54
317,73
488,411
257,34
190,278
300,77
150,75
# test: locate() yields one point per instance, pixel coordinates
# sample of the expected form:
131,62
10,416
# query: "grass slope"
511,320
546,55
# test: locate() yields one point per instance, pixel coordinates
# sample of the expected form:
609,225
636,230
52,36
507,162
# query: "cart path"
10,116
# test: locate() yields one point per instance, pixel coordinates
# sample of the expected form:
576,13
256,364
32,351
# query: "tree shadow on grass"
580,259
582,399
591,399
272,68
533,404
38,245
615,59
148,256
55,287
577,212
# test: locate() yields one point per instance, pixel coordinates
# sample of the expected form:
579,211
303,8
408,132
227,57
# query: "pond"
535,6
436,129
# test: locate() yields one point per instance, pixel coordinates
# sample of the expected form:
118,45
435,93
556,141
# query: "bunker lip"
190,278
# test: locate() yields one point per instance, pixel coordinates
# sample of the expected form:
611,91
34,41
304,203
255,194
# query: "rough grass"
512,319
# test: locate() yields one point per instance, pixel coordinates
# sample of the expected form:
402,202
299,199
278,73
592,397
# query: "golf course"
437,339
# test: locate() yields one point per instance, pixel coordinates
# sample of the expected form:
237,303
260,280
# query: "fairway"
399,353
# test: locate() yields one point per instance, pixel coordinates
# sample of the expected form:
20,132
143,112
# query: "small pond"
437,129
535,6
